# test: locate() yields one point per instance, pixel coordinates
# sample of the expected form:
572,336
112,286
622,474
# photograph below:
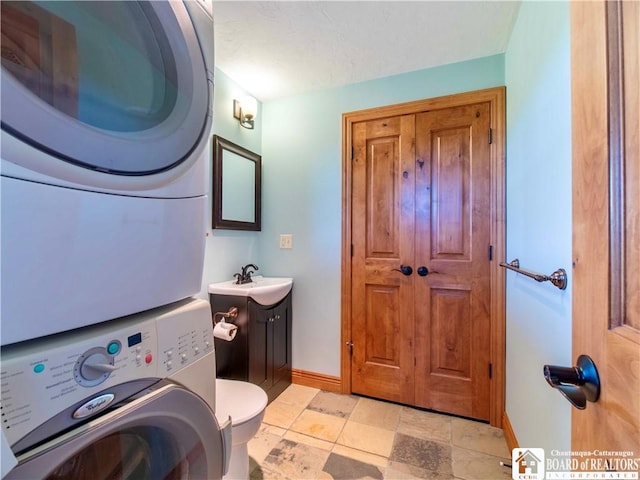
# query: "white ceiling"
276,49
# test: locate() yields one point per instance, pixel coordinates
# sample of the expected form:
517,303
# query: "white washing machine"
132,398
106,113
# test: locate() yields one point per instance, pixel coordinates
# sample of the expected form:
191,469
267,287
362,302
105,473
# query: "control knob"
93,367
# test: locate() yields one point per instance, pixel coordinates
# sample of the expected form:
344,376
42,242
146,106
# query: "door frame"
496,97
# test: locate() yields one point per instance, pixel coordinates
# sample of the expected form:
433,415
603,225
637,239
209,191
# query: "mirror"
236,186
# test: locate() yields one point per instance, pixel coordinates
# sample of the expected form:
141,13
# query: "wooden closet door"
383,225
421,203
452,240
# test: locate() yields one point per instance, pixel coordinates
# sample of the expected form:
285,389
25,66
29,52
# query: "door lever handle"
578,384
404,269
422,271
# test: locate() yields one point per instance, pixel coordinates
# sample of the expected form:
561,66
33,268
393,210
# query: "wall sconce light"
245,111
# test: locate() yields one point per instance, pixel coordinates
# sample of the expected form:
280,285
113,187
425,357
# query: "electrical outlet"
286,241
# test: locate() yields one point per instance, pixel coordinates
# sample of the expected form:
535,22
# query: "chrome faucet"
245,275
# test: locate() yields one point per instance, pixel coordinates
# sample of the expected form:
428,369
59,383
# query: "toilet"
244,402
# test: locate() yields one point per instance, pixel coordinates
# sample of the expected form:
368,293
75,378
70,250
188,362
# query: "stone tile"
318,425
333,404
403,471
280,414
294,461
307,440
262,472
260,445
376,413
279,431
365,457
425,425
266,472
424,454
297,395
479,436
345,468
472,465
365,437
296,439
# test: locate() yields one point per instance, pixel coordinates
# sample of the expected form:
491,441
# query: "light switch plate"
286,241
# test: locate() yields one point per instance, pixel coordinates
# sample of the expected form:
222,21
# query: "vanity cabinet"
261,350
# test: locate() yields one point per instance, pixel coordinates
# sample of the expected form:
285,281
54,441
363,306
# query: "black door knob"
578,384
404,269
423,271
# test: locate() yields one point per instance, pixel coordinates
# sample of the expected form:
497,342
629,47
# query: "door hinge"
352,153
350,345
352,249
490,252
490,136
490,371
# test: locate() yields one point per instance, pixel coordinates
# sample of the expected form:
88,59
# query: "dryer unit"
106,115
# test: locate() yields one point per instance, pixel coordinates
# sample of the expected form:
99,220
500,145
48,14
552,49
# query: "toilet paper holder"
231,313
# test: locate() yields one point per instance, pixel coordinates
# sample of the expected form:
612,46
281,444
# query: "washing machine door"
116,87
167,434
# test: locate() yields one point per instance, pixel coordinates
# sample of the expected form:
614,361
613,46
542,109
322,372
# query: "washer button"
148,358
113,348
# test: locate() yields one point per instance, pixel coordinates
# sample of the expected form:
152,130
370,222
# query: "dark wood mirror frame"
220,146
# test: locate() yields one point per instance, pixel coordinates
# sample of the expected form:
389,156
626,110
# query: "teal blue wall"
227,250
302,191
538,78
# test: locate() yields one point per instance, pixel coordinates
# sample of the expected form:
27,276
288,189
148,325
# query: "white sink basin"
264,290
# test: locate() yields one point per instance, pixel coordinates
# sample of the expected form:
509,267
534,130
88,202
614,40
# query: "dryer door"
115,87
168,434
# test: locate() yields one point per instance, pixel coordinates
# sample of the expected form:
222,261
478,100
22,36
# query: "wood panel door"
606,219
421,291
452,240
383,229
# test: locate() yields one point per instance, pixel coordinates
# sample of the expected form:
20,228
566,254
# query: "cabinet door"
282,342
260,346
232,357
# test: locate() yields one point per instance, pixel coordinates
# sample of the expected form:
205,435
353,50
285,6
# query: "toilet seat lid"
241,401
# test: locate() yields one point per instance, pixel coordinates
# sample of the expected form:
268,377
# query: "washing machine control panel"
43,377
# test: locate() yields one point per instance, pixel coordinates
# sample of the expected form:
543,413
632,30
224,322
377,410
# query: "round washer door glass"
118,87
165,432
135,453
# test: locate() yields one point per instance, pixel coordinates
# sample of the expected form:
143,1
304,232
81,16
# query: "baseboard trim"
316,380
509,434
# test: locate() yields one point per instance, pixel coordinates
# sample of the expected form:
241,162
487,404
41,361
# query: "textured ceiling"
276,49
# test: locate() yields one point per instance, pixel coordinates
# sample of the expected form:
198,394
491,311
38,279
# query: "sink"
263,290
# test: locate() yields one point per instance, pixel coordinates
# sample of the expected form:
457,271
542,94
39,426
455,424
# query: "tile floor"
312,434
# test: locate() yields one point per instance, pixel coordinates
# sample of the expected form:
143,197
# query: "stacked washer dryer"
106,113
